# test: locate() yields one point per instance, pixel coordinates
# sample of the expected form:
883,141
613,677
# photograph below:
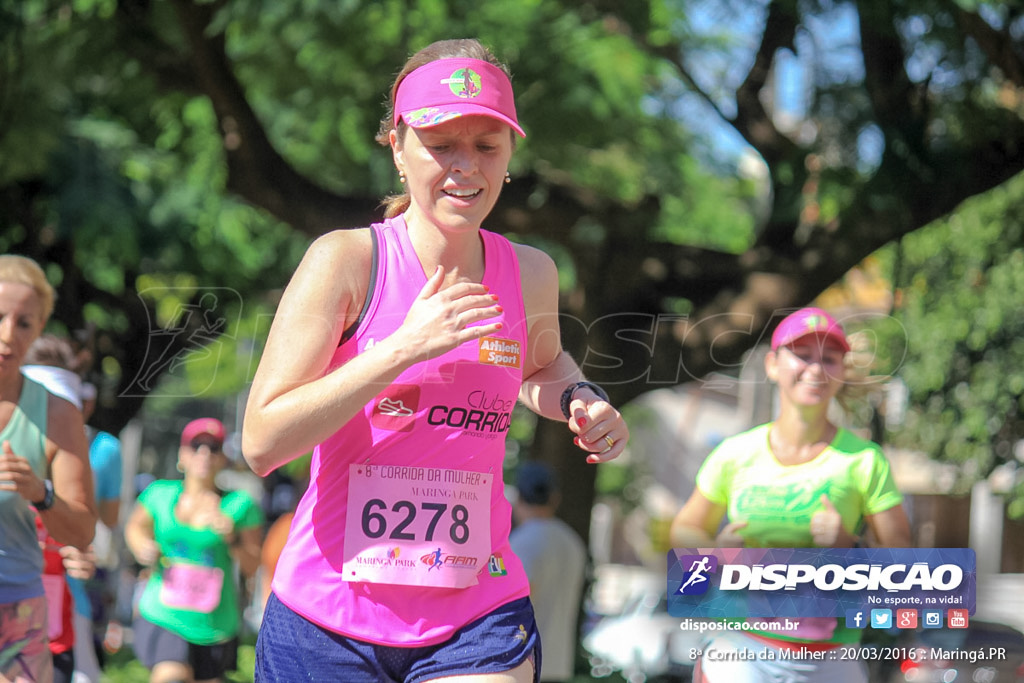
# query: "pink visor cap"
204,426
449,88
809,321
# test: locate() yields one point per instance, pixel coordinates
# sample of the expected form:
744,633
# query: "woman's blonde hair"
24,270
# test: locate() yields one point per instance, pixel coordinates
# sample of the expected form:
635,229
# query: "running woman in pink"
397,355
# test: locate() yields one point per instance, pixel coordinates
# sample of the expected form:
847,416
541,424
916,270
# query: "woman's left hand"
599,427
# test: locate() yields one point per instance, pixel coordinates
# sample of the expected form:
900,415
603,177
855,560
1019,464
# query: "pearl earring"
508,178
401,177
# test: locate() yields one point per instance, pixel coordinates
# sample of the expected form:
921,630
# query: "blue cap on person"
807,321
536,483
204,426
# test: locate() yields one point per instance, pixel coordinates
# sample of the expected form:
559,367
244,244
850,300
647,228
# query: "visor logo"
464,83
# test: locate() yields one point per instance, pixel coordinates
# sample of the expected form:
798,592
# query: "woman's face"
202,459
808,371
455,170
21,321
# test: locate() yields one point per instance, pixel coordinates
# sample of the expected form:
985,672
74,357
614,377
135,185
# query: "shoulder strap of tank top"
351,329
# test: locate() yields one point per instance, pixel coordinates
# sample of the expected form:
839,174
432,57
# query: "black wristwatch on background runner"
571,390
47,502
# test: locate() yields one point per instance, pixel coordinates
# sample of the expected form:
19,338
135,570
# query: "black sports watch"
570,390
47,502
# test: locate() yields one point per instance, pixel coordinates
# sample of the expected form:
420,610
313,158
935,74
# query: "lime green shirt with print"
192,591
777,501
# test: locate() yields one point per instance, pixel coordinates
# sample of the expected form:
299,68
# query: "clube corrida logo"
766,582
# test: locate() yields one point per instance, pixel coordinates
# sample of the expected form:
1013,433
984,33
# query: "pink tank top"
443,418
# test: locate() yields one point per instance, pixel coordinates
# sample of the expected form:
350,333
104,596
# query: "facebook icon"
855,618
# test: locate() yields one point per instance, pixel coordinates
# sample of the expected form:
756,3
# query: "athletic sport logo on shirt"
395,409
504,353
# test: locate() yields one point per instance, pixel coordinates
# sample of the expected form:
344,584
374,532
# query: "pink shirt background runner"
431,418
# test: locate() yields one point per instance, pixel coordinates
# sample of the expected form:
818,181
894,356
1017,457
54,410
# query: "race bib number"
192,587
417,526
53,585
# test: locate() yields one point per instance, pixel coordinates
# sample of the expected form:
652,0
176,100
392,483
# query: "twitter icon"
881,618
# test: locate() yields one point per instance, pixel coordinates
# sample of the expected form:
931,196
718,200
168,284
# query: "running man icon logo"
696,581
432,559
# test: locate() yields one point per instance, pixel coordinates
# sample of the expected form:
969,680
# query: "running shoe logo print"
395,409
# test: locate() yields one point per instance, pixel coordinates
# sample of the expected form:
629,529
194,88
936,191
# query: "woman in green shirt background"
190,534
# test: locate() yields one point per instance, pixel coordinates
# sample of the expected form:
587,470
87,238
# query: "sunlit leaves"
963,308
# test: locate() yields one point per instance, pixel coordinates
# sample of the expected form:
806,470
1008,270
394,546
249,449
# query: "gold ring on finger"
609,440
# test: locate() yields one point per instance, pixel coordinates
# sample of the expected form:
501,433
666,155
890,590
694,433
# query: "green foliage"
959,341
105,113
112,155
708,212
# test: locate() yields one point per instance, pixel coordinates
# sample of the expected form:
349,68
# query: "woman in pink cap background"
191,535
799,481
397,355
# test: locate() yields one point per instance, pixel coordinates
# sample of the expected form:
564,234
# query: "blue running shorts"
291,648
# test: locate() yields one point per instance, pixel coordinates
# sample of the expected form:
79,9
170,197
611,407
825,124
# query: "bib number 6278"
375,523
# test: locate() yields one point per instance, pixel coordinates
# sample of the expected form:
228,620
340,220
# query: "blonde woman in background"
43,465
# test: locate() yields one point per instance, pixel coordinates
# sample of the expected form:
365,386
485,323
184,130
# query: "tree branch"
752,121
256,171
999,46
899,105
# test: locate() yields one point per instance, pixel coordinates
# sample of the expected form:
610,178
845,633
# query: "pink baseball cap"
448,88
809,321
208,426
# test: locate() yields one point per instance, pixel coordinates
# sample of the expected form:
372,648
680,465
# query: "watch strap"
47,502
570,391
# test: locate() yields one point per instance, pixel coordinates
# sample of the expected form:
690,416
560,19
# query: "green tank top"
21,560
192,590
